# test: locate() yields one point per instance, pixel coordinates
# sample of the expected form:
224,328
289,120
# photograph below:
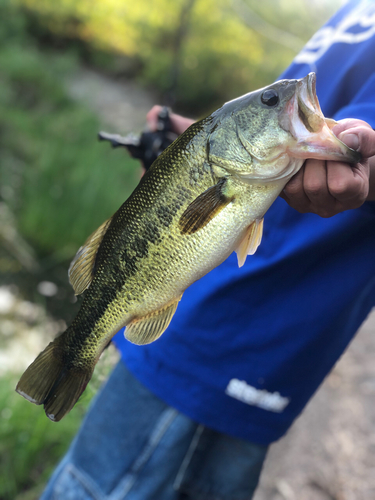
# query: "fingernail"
350,140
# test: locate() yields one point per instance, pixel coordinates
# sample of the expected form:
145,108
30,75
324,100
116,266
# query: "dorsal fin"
81,270
149,328
250,242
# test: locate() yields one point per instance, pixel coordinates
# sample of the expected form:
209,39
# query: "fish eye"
270,97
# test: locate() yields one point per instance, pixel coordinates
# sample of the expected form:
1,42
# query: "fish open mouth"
311,130
309,110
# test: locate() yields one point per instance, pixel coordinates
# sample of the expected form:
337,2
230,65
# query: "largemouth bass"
202,199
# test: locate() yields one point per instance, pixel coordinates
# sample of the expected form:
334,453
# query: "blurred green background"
62,65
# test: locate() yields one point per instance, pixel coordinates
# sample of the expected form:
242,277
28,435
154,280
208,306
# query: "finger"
356,134
361,139
316,188
294,193
348,184
180,123
346,124
152,117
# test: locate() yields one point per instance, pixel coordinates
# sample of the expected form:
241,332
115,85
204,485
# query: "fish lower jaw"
275,173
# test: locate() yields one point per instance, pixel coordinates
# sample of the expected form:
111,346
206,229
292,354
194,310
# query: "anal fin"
149,328
250,242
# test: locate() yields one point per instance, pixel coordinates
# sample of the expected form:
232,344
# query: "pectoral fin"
205,208
250,242
149,328
81,270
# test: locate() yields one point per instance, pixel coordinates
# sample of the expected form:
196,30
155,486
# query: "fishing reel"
148,145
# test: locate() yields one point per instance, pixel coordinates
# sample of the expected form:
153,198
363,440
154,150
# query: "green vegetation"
58,180
30,444
199,53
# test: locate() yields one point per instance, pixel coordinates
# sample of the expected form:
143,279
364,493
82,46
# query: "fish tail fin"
50,382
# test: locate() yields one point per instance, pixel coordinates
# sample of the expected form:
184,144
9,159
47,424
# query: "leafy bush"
198,53
58,180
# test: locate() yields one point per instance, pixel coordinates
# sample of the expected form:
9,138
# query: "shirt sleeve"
362,106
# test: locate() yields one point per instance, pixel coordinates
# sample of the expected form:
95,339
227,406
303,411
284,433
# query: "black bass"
202,199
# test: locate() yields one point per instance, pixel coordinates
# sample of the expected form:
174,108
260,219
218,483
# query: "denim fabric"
133,446
220,467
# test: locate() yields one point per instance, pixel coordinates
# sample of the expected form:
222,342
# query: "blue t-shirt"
248,347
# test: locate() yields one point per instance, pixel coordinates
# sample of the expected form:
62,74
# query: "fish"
204,197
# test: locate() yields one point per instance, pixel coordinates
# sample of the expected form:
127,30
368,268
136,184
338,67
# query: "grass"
60,182
30,444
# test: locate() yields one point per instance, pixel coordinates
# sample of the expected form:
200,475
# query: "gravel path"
120,106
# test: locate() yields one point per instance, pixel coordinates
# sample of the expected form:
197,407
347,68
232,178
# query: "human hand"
329,187
179,123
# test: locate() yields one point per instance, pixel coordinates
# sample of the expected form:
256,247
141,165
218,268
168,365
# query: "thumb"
360,138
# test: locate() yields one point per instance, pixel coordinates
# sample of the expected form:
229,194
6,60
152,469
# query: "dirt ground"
120,106
329,454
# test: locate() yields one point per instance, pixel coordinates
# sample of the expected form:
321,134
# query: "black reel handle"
149,145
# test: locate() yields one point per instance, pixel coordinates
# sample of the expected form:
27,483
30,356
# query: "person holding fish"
191,415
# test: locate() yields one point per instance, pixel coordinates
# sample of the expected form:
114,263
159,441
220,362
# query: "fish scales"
203,198
140,242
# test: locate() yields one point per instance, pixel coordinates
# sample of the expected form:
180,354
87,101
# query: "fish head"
267,134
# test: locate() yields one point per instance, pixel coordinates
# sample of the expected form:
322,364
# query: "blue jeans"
133,446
